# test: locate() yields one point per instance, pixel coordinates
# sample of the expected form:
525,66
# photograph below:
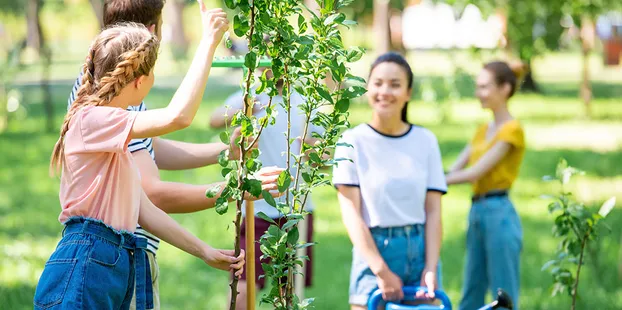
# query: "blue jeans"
94,267
403,250
494,245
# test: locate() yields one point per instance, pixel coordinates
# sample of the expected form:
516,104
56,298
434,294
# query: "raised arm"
183,107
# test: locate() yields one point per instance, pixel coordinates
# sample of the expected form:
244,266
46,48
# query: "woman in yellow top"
491,163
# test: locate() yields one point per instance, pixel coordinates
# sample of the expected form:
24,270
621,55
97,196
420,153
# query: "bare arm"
164,227
176,155
183,107
350,202
433,229
482,166
174,197
462,160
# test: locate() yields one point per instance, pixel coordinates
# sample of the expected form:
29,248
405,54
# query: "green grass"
29,207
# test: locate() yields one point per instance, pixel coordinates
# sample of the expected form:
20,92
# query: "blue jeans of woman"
94,267
402,248
494,244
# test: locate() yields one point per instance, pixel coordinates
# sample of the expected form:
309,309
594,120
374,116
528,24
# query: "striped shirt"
135,145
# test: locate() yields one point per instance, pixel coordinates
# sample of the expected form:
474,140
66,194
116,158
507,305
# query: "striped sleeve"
74,91
136,145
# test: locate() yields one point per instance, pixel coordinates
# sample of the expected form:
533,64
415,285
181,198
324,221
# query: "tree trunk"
381,26
529,84
587,43
47,92
34,38
175,18
98,9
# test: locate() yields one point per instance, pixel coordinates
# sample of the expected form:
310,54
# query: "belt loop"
390,232
85,224
122,241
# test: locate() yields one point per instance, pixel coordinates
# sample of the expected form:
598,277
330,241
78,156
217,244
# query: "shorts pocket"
53,282
105,254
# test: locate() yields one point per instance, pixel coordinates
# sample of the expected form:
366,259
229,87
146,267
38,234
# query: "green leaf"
250,61
349,22
356,79
268,198
247,127
254,187
343,3
307,177
329,5
224,137
240,25
302,24
324,94
337,18
293,235
212,191
548,264
284,180
354,92
306,40
344,144
354,54
315,158
290,224
222,159
221,205
225,171
342,105
228,43
266,218
231,4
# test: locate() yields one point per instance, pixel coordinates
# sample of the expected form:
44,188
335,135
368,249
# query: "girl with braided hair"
99,263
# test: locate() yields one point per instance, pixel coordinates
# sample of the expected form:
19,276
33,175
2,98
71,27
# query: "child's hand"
215,23
225,260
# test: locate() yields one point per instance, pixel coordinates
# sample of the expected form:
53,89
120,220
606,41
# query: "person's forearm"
193,85
164,227
433,237
461,176
174,197
176,155
362,240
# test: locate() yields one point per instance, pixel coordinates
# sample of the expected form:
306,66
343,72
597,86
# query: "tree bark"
529,83
98,9
34,37
381,26
175,18
587,43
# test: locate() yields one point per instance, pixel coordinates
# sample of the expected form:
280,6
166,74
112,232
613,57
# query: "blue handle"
409,295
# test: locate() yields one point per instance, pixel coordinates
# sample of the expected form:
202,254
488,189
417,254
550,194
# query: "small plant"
576,226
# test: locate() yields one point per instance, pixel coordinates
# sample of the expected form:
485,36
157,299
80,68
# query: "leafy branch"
576,226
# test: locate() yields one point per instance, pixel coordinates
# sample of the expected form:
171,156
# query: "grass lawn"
29,229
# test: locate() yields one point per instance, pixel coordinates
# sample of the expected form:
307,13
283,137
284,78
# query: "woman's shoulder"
423,132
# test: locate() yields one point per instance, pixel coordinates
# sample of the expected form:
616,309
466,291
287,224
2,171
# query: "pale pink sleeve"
105,129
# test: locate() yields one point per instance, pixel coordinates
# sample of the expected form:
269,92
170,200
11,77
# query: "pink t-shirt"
100,179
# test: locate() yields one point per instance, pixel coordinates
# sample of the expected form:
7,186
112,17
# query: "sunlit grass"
29,207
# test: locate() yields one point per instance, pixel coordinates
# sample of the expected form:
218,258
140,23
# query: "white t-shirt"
273,144
394,173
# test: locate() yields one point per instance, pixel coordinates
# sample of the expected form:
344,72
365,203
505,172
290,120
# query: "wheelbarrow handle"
410,295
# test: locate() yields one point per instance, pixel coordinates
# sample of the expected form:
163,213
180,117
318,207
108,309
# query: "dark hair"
400,61
146,12
504,74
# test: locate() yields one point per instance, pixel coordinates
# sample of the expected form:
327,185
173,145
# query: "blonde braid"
110,45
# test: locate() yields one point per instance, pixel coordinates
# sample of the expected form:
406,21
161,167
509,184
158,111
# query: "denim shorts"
93,267
403,250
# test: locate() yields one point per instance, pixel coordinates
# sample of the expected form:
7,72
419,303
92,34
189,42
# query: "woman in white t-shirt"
390,194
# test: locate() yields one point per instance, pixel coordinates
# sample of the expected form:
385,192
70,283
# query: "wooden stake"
250,255
299,280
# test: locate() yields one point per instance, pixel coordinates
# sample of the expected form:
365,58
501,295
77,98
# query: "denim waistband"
490,194
144,288
398,231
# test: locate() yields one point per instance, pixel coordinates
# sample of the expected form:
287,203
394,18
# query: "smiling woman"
390,194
